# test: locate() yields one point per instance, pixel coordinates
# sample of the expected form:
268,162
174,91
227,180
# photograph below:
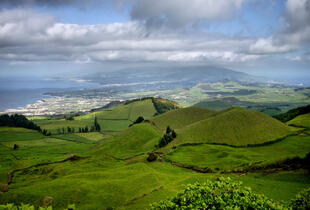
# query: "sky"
46,38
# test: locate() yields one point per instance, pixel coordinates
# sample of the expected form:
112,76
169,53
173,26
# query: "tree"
69,129
15,147
96,125
80,130
98,128
86,129
63,130
168,130
173,134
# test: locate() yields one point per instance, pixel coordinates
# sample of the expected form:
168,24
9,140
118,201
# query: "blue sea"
16,93
13,99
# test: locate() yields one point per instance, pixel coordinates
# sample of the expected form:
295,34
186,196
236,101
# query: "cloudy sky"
52,37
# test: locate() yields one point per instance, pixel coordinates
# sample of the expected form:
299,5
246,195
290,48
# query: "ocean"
17,93
13,99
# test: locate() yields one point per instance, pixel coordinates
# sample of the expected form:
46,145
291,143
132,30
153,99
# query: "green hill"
235,126
180,118
300,121
138,139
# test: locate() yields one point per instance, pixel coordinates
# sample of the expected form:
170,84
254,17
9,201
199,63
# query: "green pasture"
218,157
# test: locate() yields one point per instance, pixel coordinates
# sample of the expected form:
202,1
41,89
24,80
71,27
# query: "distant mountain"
171,76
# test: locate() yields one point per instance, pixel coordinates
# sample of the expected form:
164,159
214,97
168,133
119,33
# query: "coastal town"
59,105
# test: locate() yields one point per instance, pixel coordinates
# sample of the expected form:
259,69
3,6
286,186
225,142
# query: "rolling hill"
300,121
234,126
137,139
180,118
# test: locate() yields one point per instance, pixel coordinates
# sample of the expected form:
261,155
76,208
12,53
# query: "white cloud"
183,12
268,46
295,34
49,40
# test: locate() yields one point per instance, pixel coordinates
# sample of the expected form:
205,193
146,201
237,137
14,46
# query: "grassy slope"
180,118
217,156
18,134
301,120
235,126
138,139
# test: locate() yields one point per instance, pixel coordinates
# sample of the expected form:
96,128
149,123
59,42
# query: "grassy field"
18,134
113,171
216,157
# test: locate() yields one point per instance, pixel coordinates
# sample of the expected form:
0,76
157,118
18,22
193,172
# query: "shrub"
152,157
140,119
302,200
221,194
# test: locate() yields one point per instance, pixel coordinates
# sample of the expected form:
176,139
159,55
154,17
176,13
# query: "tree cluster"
167,138
45,132
17,120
